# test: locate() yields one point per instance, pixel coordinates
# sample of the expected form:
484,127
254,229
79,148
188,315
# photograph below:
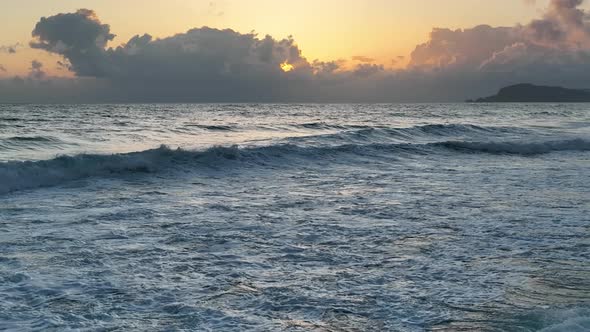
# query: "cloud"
366,70
563,25
54,90
203,53
10,49
362,58
202,62
561,36
79,37
214,10
461,48
554,49
206,64
322,68
36,71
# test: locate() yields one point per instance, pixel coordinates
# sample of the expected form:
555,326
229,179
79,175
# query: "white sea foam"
327,217
573,320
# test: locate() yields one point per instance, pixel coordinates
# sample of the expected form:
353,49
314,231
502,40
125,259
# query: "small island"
530,93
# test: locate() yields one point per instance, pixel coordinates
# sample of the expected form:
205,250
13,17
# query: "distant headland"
521,93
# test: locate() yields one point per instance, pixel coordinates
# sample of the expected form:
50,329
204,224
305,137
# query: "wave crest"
519,148
19,175
30,142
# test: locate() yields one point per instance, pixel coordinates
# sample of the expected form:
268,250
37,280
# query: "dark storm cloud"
80,37
206,64
204,53
201,61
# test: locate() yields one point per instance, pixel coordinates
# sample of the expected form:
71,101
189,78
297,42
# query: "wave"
211,127
10,119
573,324
436,129
358,134
29,142
19,175
560,320
31,139
518,148
439,130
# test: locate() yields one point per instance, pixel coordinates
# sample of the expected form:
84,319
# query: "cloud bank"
206,64
564,31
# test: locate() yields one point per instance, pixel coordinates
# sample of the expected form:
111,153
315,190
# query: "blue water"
453,217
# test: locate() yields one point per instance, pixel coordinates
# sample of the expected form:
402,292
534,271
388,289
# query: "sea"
295,217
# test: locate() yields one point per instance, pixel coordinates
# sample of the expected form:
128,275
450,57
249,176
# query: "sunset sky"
324,29
350,34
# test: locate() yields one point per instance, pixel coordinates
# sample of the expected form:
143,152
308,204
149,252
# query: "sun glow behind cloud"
379,29
287,67
172,66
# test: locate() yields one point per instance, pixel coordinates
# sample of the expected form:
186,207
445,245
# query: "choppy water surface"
295,217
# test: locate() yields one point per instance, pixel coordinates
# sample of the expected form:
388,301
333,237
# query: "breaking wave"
564,320
571,324
19,175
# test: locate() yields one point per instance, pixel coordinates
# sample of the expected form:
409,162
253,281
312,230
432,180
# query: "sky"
369,50
324,29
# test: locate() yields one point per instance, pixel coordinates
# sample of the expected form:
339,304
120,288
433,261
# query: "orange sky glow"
355,31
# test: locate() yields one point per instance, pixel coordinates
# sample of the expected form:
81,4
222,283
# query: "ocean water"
451,217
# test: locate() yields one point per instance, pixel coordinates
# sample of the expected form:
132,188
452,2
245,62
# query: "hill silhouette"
536,93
